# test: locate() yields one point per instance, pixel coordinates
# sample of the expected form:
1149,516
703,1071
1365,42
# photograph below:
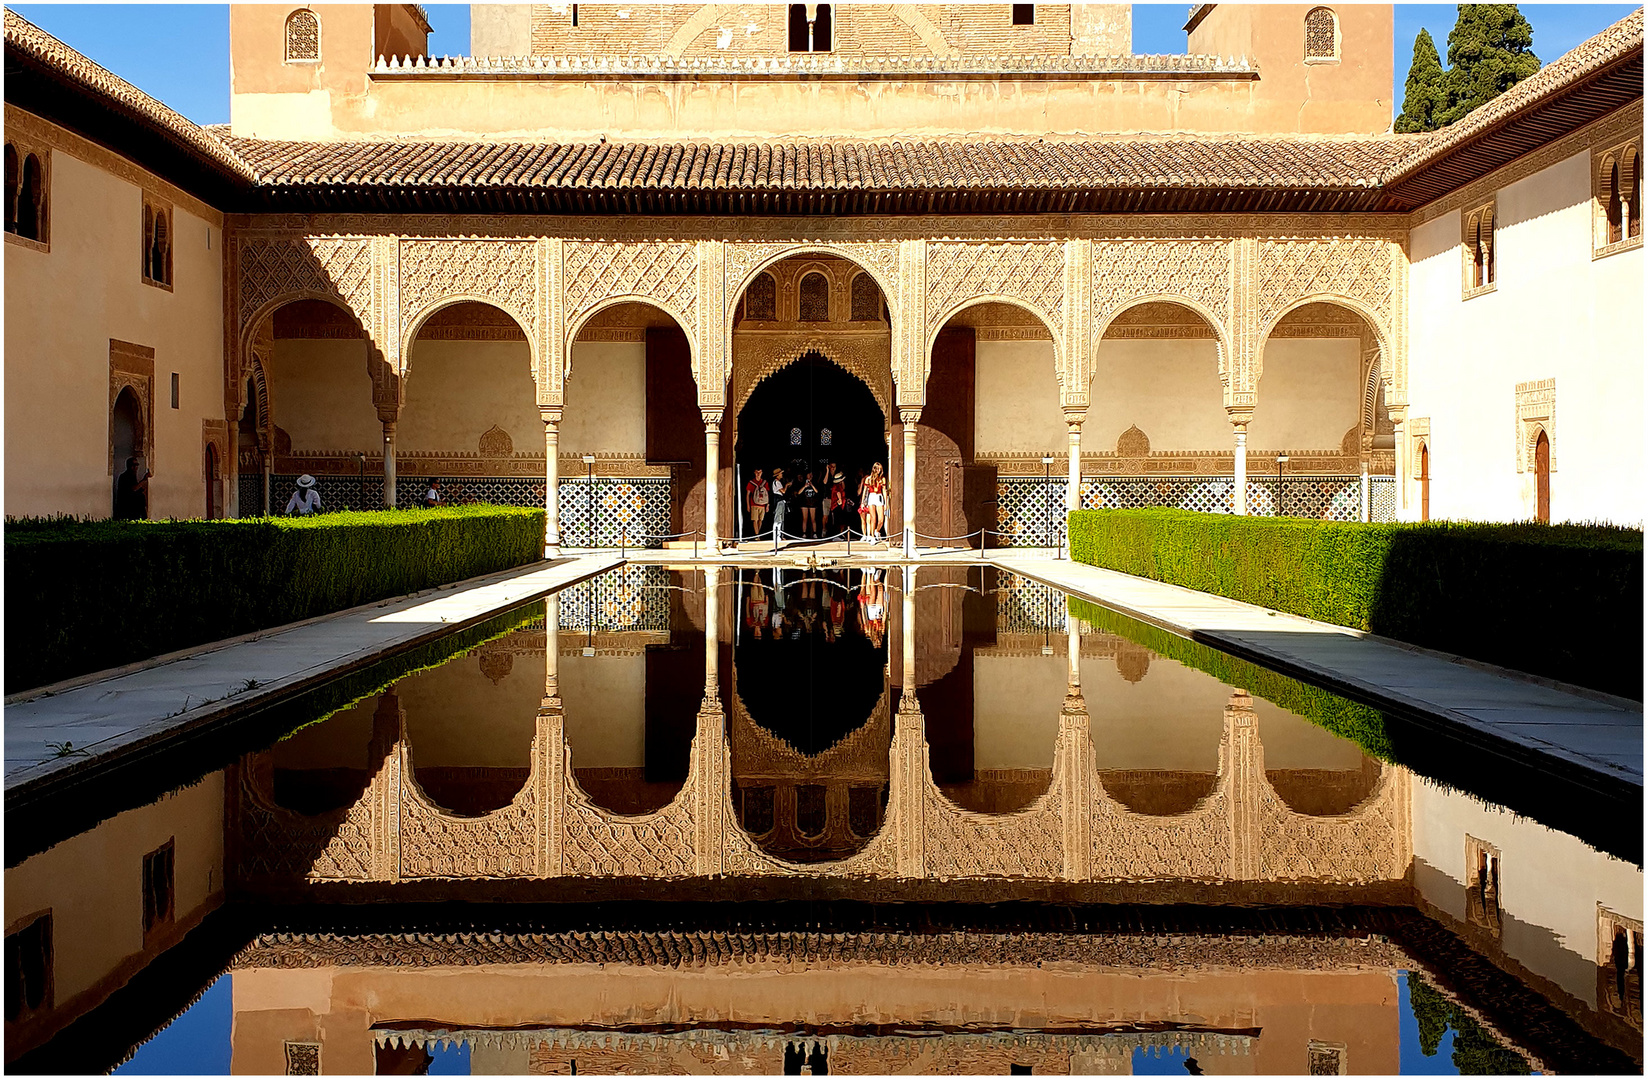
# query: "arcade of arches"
986,421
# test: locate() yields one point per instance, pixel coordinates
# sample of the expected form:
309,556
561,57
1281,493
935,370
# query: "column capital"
1074,415
550,415
1398,414
1240,415
388,419
712,418
909,415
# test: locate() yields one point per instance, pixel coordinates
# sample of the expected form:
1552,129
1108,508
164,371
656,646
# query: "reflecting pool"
790,819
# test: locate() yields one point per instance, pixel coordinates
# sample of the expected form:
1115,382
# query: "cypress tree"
1489,51
1425,97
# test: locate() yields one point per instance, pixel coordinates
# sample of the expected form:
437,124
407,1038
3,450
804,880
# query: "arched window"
13,177
1321,35
866,299
761,301
31,200
1424,482
815,298
1613,202
795,436
157,244
302,36
1479,245
825,437
800,36
823,29
1633,191
1542,478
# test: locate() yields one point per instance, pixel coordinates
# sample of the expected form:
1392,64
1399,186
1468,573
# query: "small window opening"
866,299
1616,209
25,195
1024,14
302,36
29,969
1482,887
823,29
825,436
815,298
14,176
763,298
1321,35
815,35
800,32
1424,482
574,14
795,436
158,879
174,390
1633,208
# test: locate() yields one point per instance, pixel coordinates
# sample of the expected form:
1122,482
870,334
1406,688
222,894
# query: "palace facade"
622,256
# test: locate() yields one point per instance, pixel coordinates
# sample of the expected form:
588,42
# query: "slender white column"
1399,420
552,481
1072,489
712,480
907,633
1239,422
909,418
552,648
268,481
389,464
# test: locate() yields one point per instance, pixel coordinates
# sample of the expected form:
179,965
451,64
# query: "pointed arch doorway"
808,413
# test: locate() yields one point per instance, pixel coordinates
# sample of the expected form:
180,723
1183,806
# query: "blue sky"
180,52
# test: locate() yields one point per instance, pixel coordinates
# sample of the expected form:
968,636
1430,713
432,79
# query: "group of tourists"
824,604
814,505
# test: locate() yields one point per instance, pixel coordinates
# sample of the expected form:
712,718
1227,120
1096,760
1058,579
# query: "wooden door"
1542,478
1424,482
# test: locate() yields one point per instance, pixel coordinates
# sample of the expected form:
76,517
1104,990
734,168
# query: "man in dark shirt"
131,495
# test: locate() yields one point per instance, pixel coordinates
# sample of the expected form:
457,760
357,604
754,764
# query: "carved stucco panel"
596,271
598,844
1029,272
1125,271
270,267
757,355
1290,270
499,272
879,258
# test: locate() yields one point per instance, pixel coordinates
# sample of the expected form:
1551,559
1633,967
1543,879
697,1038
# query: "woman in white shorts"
872,496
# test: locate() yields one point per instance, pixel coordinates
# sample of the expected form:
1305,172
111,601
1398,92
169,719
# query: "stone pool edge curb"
41,779
1578,766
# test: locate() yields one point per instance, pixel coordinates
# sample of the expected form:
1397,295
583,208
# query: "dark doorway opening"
802,416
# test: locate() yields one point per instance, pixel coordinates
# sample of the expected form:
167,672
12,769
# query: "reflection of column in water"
712,630
552,648
908,633
1073,631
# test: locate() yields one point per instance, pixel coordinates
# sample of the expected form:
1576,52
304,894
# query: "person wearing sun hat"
305,500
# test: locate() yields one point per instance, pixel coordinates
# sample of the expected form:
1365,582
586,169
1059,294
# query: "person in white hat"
305,500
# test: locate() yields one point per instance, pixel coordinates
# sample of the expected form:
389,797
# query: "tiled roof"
1615,44
894,170
1176,173
26,40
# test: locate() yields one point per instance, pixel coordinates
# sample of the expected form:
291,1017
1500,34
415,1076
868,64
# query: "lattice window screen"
815,298
761,302
303,36
1320,35
866,299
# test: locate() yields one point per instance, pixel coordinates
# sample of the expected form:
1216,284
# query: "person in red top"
755,501
872,501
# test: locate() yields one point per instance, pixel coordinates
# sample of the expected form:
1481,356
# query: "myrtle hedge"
82,596
1352,720
1562,601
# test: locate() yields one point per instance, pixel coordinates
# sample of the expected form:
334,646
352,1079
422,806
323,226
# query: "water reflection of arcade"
810,719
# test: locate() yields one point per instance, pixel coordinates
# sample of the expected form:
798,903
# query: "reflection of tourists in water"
872,607
779,489
755,501
755,609
836,517
872,499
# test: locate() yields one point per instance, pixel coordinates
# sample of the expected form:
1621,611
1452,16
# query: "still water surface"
828,820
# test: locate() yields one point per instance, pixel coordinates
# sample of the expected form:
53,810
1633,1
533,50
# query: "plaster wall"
457,716
1172,719
1167,389
606,399
93,884
711,107
1016,702
62,308
605,698
1310,394
457,390
1549,883
1556,312
500,29
1017,407
321,395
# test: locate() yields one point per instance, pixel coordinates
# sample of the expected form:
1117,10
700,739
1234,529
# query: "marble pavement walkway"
107,715
1589,733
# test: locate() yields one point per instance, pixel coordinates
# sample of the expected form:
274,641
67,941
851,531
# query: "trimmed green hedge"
1563,601
1363,725
87,595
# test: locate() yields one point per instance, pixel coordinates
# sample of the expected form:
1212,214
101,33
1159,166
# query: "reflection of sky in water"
196,1043
1160,1061
1414,1061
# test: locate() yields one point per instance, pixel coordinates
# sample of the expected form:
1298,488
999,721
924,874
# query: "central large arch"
811,378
